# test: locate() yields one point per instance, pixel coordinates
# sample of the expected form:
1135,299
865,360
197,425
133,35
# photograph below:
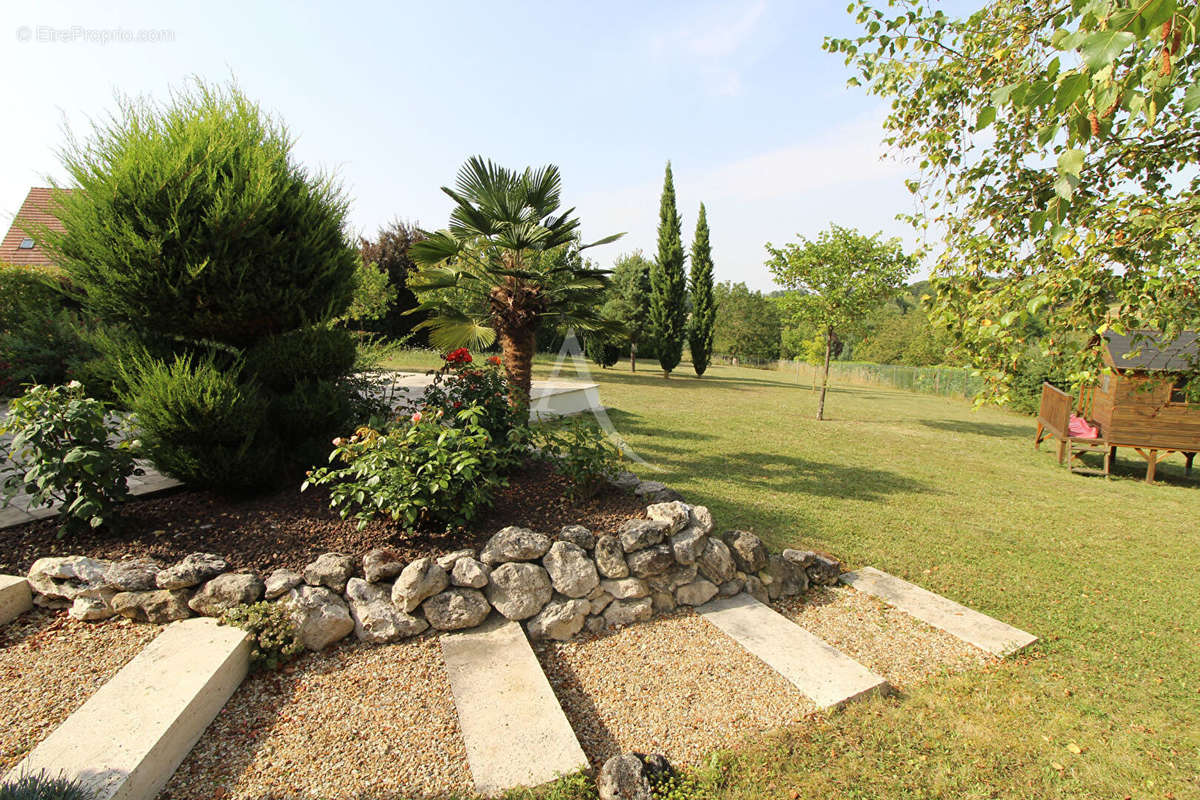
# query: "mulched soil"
288,529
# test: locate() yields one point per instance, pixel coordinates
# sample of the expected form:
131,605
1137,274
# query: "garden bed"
288,529
50,665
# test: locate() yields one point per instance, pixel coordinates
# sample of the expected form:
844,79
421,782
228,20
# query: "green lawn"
1106,572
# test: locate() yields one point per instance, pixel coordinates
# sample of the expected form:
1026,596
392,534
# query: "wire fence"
941,381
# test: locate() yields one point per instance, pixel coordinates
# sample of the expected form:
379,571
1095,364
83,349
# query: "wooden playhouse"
1140,404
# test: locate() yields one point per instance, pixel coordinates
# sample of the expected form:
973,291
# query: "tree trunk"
825,377
518,346
633,356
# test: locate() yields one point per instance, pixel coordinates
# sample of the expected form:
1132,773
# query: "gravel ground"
49,665
675,685
889,642
370,720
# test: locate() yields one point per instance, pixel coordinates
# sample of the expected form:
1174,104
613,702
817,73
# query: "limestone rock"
782,578
93,609
716,562
61,580
319,616
688,544
514,544
132,575
331,570
672,579
519,590
676,514
448,560
663,602
627,612
610,558
696,593
280,582
571,571
421,579
624,777
638,534
755,588
655,492
578,535
470,573
595,625
625,481
375,618
652,561
702,520
193,570
598,601
748,551
224,592
559,620
626,588
824,571
731,587
159,606
455,609
382,564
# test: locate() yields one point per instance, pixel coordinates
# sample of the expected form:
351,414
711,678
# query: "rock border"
557,586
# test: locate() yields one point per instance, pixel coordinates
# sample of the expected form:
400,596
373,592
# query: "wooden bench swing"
1140,404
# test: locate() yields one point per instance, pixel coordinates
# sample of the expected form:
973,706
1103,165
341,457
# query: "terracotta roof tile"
37,210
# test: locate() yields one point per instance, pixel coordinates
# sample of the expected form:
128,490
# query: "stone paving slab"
971,626
824,674
15,598
129,737
515,731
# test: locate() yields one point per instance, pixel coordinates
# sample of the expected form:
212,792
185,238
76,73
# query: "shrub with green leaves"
193,226
41,786
420,471
62,453
462,383
275,639
580,452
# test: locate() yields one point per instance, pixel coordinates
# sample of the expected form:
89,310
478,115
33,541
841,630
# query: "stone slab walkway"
15,598
129,737
515,731
829,677
20,512
978,629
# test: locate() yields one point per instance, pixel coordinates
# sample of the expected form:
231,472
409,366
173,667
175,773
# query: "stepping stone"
515,731
972,627
15,598
128,738
826,675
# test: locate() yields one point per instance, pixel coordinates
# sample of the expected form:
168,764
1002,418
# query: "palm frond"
435,248
605,240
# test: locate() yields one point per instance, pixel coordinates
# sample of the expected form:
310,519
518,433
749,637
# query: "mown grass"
1106,572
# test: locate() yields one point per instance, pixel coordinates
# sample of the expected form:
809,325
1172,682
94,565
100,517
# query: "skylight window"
26,244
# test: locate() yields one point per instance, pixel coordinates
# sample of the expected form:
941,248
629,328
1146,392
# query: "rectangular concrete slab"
515,731
129,737
826,675
15,598
971,626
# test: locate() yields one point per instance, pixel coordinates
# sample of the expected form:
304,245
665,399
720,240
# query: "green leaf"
1070,162
985,118
1102,47
1064,187
1069,91
1191,98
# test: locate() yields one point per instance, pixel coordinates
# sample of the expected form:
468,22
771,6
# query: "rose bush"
458,385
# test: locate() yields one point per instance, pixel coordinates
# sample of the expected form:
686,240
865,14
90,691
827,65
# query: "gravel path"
369,720
49,665
887,641
675,685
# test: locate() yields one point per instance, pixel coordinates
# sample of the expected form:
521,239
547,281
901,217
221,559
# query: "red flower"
460,356
494,360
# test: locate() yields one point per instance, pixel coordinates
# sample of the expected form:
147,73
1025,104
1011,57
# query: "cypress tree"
668,282
704,304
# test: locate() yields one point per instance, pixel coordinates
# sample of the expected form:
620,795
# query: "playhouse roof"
1145,350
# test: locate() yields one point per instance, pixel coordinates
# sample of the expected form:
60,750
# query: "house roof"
35,211
1145,350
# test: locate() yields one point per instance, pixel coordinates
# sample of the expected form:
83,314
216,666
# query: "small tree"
842,276
389,252
629,300
668,282
704,303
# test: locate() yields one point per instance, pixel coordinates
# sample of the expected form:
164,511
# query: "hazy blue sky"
754,116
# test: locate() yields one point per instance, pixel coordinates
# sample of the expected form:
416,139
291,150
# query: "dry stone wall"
557,585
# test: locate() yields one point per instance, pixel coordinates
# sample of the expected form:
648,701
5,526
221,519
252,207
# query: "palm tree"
501,245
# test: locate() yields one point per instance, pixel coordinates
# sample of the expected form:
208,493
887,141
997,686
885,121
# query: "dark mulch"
288,529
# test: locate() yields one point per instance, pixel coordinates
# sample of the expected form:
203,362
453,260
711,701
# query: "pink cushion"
1080,429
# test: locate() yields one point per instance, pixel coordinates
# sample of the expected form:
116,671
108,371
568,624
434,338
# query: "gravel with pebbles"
358,720
675,685
887,641
49,665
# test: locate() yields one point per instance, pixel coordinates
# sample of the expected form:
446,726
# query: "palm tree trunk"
825,376
518,346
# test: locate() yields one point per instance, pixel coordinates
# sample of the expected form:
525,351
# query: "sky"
754,117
